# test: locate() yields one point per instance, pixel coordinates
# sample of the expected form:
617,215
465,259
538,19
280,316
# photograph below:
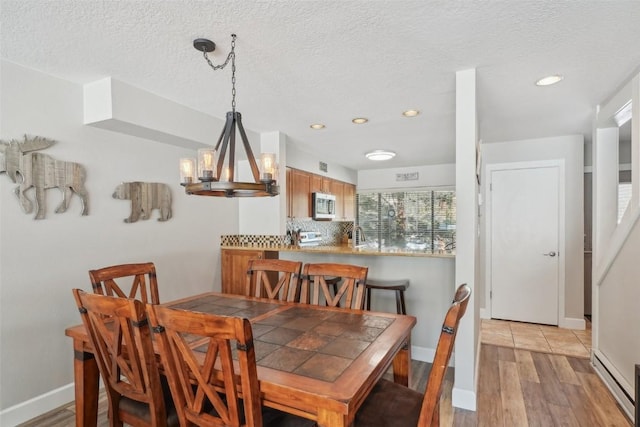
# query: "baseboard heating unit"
608,375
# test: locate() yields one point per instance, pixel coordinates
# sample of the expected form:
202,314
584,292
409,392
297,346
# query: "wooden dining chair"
390,404
273,278
119,333
205,380
144,285
314,285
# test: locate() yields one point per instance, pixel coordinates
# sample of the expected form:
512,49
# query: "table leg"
402,365
327,418
86,377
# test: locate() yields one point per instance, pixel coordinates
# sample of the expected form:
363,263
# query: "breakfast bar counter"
342,250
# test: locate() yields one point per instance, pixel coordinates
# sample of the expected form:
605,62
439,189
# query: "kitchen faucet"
363,238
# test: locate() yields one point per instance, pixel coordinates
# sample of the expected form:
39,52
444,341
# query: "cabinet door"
349,201
337,189
234,268
300,194
326,184
289,193
316,184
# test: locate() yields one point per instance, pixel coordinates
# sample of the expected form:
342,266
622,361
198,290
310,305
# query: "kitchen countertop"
342,250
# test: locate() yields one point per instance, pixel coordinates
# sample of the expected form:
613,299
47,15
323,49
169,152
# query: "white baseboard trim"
32,408
464,399
573,323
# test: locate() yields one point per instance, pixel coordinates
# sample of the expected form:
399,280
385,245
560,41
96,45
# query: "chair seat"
390,405
392,285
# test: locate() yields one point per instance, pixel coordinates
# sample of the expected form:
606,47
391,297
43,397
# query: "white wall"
570,149
431,176
41,261
616,343
299,159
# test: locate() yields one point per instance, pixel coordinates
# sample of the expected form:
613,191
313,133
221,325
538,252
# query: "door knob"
551,254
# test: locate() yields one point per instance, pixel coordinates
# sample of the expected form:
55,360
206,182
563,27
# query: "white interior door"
525,244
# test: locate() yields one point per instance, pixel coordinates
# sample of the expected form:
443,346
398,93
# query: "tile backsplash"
331,232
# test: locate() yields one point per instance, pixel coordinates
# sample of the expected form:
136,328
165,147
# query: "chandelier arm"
220,138
232,149
247,149
225,144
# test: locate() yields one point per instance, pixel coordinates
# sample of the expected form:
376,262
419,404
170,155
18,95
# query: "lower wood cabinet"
234,267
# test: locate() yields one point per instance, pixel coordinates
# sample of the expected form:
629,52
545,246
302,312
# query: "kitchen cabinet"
289,192
235,263
337,189
300,194
349,203
320,184
301,184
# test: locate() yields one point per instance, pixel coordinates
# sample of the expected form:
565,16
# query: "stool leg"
403,307
398,307
368,299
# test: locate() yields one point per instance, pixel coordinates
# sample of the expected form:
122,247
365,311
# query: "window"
422,221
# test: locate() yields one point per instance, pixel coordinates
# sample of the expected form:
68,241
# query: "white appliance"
309,238
324,206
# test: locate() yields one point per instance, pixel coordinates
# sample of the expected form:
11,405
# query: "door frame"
554,163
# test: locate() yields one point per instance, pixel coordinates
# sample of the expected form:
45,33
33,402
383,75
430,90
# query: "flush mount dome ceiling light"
317,126
360,120
549,80
379,155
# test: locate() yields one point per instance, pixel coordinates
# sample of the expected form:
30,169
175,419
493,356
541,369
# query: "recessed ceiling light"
317,126
410,113
549,80
360,120
378,155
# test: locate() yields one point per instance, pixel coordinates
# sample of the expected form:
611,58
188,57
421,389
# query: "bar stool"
399,286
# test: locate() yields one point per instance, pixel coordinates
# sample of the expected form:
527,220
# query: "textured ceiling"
301,62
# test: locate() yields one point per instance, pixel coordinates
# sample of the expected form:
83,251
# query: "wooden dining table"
313,361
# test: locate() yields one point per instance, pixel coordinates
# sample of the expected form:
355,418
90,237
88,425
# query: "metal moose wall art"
41,171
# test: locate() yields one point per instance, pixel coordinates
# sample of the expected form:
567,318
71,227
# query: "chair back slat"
119,333
262,272
110,281
197,350
314,288
429,412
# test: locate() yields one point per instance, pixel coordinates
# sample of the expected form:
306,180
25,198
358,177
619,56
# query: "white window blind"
422,221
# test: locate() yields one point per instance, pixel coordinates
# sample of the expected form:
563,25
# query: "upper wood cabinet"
337,189
301,184
300,194
349,203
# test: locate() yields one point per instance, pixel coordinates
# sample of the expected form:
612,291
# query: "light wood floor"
517,387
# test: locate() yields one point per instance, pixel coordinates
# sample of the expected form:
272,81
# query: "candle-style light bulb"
206,162
268,167
187,170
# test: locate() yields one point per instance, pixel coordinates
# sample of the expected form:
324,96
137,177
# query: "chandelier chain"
230,57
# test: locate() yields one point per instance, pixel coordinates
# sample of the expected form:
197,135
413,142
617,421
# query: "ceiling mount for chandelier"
214,178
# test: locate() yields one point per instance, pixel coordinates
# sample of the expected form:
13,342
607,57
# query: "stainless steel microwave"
324,206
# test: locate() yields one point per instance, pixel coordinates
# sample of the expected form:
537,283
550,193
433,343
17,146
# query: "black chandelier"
216,179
